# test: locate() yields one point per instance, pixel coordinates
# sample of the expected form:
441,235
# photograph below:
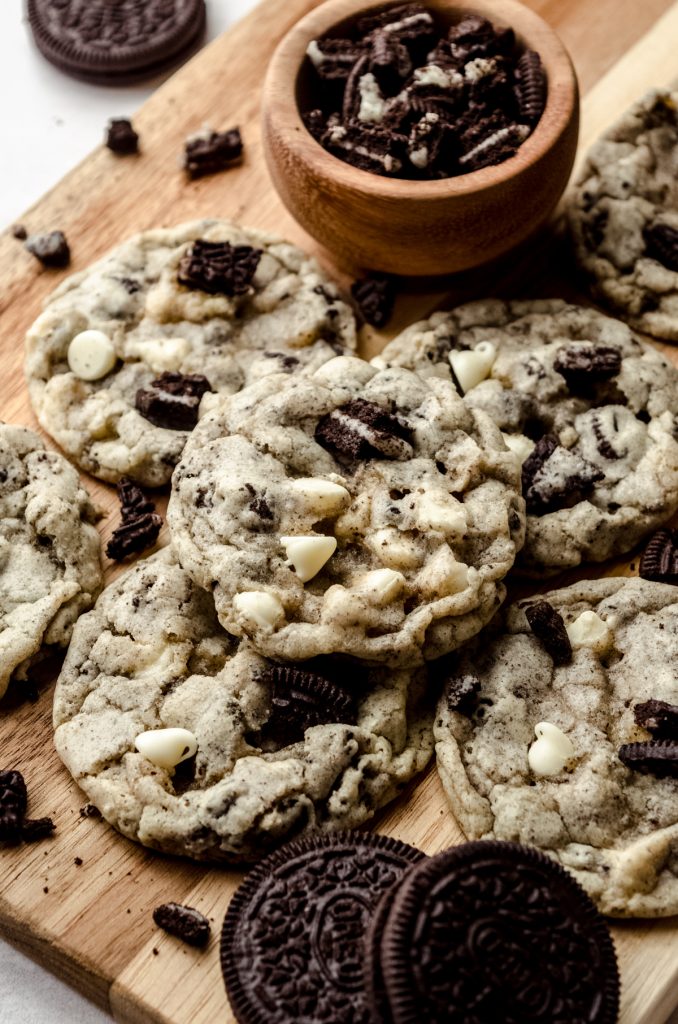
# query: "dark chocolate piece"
37,828
185,923
530,87
659,561
548,626
554,477
584,365
653,757
661,244
375,297
219,267
140,524
212,153
121,137
658,717
292,940
301,699
51,249
363,430
488,932
115,42
13,803
461,692
173,400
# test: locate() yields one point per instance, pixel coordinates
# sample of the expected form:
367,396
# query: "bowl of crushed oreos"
420,138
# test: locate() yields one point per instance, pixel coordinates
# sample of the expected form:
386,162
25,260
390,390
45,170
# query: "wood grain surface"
91,923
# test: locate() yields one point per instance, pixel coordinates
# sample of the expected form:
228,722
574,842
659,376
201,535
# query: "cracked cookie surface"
349,511
152,655
615,829
50,568
238,317
623,214
589,409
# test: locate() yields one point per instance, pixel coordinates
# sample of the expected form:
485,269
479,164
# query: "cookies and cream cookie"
350,511
589,409
50,568
124,352
194,745
623,214
559,729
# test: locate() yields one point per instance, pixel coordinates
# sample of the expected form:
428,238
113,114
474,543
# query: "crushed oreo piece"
316,122
37,828
212,152
184,923
530,87
654,757
363,430
659,561
334,59
389,61
661,244
410,22
301,699
121,137
350,109
140,523
367,147
172,400
219,267
603,442
375,297
51,249
13,804
584,365
19,232
489,142
554,477
658,717
461,692
548,626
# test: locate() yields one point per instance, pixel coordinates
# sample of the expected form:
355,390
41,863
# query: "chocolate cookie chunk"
140,524
548,626
363,430
13,803
494,931
292,940
219,267
185,923
211,152
51,249
173,400
375,297
115,42
301,699
121,137
659,560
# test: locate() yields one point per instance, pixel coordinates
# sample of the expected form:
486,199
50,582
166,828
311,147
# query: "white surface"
49,123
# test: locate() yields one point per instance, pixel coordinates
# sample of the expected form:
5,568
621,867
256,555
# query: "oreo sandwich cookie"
115,41
490,932
292,940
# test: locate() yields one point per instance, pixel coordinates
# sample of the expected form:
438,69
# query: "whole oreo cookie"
292,941
496,932
111,41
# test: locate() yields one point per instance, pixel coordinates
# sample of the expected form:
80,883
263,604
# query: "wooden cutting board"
91,922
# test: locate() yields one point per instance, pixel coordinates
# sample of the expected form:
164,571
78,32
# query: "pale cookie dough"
627,186
615,829
621,428
395,556
50,568
289,318
151,656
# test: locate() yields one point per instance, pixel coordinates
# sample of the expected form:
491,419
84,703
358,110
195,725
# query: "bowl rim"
280,108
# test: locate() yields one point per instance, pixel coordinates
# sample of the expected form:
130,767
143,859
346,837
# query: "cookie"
623,216
238,753
113,43
538,757
112,362
50,568
496,932
350,511
589,409
292,940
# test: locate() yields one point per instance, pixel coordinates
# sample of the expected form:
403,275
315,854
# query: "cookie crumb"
51,249
90,811
77,861
19,232
185,923
210,152
121,137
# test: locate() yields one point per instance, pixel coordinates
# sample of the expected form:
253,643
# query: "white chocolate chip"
438,510
320,496
551,751
395,549
382,585
308,554
371,100
519,445
379,362
589,630
91,355
259,607
473,365
166,747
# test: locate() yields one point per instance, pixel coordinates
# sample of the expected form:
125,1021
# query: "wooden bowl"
418,227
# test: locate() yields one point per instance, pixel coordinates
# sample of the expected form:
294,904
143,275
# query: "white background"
48,123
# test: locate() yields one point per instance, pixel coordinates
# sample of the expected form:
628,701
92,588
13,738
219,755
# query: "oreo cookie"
292,941
117,42
495,931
